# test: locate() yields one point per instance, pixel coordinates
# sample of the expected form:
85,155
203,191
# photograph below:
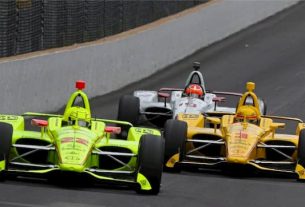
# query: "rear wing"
227,93
31,114
170,89
112,121
284,118
220,114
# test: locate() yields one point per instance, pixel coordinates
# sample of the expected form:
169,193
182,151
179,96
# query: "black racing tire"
150,161
301,148
6,131
175,133
263,106
129,111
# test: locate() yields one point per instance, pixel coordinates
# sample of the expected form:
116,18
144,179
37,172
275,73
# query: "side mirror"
219,99
274,126
39,122
163,95
214,120
112,129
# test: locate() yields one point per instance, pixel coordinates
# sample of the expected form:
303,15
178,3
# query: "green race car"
76,143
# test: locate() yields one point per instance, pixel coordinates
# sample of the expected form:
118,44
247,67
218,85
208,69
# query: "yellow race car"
246,138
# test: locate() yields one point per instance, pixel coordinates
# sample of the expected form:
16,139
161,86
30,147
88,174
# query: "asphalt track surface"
271,54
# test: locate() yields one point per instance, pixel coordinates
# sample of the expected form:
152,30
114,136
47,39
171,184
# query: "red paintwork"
219,99
39,122
163,95
111,129
80,84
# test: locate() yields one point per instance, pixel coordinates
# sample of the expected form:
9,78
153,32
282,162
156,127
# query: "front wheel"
150,161
175,133
6,131
301,148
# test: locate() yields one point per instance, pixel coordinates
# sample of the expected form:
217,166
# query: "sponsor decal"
301,172
143,182
72,158
82,141
144,131
66,140
8,117
241,134
78,140
190,116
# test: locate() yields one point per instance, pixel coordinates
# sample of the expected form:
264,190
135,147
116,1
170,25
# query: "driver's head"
247,114
78,116
194,90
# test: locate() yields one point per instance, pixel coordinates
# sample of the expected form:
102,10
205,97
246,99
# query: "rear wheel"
150,161
129,111
6,131
175,133
262,106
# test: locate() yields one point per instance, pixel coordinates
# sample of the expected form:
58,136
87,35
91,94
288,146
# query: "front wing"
125,175
193,157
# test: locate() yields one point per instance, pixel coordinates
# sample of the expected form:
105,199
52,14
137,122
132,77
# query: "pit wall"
43,81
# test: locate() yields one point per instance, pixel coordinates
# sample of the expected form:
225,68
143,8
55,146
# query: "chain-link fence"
31,25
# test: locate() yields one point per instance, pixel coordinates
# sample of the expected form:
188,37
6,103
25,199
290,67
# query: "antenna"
196,65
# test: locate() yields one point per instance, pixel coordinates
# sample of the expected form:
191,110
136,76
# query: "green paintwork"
16,121
2,165
141,179
76,143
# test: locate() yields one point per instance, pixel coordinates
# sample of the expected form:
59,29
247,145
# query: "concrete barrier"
43,81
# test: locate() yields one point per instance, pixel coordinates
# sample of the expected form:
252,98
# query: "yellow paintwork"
172,161
249,93
299,128
213,120
196,120
242,137
241,141
300,170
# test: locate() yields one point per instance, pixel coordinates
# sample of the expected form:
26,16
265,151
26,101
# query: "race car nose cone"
72,168
237,160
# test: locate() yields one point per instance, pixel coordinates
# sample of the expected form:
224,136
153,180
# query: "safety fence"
32,25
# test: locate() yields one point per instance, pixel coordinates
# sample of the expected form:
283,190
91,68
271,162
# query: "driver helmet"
247,114
78,116
194,90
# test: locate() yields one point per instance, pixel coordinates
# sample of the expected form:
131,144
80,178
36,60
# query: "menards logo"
241,134
77,140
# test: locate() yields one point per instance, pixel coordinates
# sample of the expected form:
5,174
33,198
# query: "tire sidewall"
150,161
129,109
175,133
301,148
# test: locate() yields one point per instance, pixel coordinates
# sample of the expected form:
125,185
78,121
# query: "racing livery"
246,138
79,144
155,107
